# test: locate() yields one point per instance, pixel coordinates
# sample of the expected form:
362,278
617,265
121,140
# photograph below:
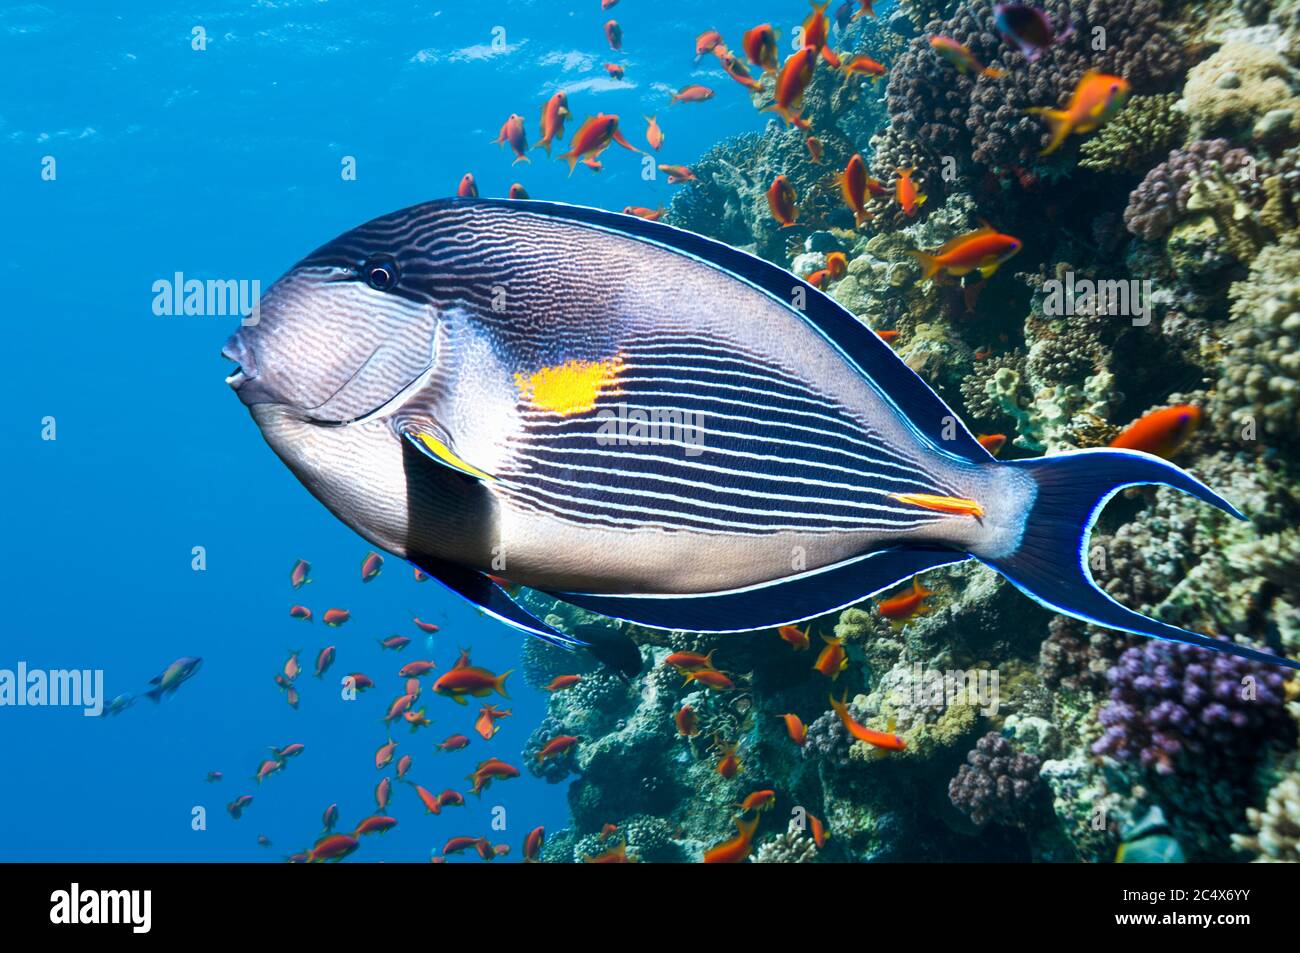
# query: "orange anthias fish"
371,566
710,678
791,83
817,33
862,65
853,182
561,682
468,188
493,769
333,847
759,45
905,191
795,636
300,573
689,661
428,627
428,799
736,69
992,442
1162,432
450,798
593,137
336,617
795,728
889,337
781,200
533,844
517,191
453,743
375,824
416,669
735,849
556,746
815,149
653,134
1096,100
384,754
469,680
879,739
417,720
686,721
614,70
291,667
512,132
394,642
959,56
649,214
614,34
818,830
488,716
706,42
694,93
982,250
300,612
728,761
837,263
833,658
677,173
758,801
864,6
554,113
907,604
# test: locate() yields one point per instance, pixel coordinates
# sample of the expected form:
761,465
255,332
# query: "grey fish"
464,383
172,677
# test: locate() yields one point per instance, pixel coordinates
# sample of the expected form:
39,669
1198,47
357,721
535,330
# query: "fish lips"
246,381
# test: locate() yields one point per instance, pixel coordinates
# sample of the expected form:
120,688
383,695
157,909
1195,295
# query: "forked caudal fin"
1050,564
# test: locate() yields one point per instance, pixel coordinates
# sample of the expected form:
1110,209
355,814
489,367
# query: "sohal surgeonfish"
454,381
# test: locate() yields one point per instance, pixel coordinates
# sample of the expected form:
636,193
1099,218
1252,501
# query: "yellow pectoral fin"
959,506
443,454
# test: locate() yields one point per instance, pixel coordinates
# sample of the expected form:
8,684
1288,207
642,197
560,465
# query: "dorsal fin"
897,383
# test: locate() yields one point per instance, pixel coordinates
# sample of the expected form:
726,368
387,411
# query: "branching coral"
1275,837
1147,126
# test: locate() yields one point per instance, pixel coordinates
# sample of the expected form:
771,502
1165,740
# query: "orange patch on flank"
572,387
944,504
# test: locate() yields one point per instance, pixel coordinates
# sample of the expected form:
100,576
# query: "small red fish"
554,113
689,661
431,803
759,45
453,743
815,149
794,636
332,848
781,199
694,93
1096,100
336,617
905,191
450,798
614,70
384,754
961,57
728,761
291,667
468,680
795,728
593,137
468,188
556,746
993,442
686,721
758,801
375,824
878,739
493,769
818,830
706,42
300,612
677,173
488,716
371,566
404,765
862,65
614,34
653,134
710,678
736,69
512,132
533,843
324,659
833,658
649,214
1162,432
982,250
300,573
791,83
906,604
561,682
735,849
383,792
517,191
416,669
359,682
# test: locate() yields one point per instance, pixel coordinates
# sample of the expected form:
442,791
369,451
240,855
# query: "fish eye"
380,273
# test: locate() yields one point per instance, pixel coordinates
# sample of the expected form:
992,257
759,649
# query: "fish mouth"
246,381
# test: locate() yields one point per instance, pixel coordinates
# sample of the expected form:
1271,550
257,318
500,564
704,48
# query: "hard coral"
1161,200
996,782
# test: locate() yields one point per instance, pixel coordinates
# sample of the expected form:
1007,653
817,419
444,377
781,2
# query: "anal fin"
770,605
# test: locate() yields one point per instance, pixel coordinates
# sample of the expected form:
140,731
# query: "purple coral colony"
975,726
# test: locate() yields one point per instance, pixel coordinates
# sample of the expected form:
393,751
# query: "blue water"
225,163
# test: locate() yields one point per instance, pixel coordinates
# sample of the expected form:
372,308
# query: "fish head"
344,331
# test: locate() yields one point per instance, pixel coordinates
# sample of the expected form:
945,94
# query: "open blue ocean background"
225,164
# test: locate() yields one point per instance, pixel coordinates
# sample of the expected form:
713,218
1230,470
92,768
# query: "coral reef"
997,782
